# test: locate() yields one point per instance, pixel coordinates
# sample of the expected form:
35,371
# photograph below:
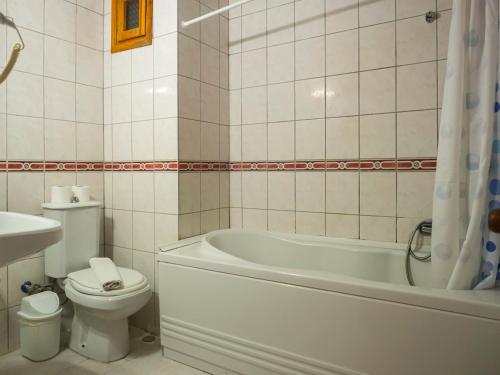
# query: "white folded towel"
106,273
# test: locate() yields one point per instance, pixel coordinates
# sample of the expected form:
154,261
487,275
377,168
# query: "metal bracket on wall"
431,16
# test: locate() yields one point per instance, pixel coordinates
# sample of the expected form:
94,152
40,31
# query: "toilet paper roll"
61,194
81,193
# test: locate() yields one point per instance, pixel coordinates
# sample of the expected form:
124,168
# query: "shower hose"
424,228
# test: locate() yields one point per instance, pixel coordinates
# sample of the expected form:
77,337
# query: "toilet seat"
85,281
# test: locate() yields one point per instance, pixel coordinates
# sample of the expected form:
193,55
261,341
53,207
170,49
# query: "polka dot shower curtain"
464,253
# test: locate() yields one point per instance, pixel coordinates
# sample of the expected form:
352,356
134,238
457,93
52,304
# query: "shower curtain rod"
213,13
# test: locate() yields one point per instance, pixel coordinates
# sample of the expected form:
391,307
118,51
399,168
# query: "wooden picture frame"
140,34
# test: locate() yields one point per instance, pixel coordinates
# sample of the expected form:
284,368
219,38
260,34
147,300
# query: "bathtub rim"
480,303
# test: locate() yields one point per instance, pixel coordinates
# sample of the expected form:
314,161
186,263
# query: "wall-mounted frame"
131,24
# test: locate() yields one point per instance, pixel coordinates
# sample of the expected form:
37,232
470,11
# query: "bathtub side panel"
243,324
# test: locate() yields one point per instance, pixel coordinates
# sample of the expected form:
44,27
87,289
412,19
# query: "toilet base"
103,340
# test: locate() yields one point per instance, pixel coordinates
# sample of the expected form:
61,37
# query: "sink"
22,235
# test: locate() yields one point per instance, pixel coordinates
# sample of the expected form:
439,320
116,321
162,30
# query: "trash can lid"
40,304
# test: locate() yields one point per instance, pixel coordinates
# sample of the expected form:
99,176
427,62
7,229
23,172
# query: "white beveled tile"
411,8
253,6
25,138
223,35
143,63
143,191
378,193
310,58
342,52
254,189
143,236
342,95
210,220
122,237
31,59
310,139
342,226
167,187
280,24
89,66
309,18
166,229
59,59
121,68
142,100
3,136
165,54
341,15
165,139
89,104
281,221
189,139
89,144
310,99
372,12
254,105
281,101
209,141
165,97
254,219
417,134
414,194
417,86
189,91
223,71
342,192
310,191
59,99
27,13
122,191
165,17
253,31
235,107
416,41
121,100
189,199
209,31
209,191
377,136
235,192
312,223
280,63
342,138
377,46
210,65
60,18
122,142
235,71
377,228
209,103
253,68
254,142
143,140
89,28
281,190
234,39
25,192
187,10
60,140
378,91
281,141
25,93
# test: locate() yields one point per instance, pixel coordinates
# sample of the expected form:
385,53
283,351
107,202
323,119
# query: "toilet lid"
86,282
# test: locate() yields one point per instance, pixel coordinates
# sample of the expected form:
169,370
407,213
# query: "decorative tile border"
173,165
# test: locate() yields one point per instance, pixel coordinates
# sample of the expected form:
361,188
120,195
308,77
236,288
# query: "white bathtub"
262,303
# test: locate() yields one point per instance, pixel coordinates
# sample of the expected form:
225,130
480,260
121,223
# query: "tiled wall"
50,110
165,104
344,96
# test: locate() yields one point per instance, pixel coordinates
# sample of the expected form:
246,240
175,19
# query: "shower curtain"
464,252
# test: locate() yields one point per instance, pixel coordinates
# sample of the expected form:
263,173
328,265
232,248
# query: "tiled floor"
144,358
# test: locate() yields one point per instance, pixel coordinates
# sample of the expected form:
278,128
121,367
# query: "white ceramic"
100,324
100,328
22,235
264,303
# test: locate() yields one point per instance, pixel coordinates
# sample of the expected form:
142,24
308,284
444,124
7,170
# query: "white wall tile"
310,58
310,191
342,52
310,139
377,46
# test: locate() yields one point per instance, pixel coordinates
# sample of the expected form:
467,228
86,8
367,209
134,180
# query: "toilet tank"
80,239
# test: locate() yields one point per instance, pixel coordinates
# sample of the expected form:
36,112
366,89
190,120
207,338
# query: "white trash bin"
40,326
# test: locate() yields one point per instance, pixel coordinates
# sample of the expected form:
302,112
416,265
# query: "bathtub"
244,302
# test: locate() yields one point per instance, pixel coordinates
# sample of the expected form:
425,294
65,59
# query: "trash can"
40,326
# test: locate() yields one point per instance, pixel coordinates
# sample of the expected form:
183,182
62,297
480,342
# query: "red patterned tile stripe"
172,165
337,165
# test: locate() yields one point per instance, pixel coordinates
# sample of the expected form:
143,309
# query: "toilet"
100,324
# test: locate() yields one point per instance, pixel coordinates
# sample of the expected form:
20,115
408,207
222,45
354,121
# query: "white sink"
22,235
